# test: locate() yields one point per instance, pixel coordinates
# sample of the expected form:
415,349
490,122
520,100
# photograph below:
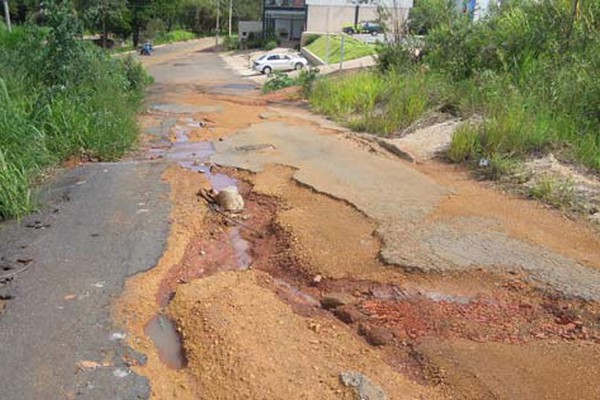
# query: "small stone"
120,373
376,335
315,327
317,279
334,300
229,199
264,116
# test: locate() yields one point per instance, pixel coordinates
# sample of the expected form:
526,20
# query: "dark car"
372,28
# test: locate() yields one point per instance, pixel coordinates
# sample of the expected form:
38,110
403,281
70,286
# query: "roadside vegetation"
353,48
527,77
60,97
280,80
125,24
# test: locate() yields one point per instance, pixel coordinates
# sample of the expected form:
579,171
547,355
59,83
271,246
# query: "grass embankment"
60,97
530,72
174,36
353,48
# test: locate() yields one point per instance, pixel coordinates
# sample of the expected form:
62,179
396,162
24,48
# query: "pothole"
167,341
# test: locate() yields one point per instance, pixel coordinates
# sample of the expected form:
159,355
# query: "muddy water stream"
192,156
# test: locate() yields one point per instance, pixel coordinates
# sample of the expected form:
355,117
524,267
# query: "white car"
279,62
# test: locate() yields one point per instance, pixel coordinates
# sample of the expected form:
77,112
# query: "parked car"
372,28
279,62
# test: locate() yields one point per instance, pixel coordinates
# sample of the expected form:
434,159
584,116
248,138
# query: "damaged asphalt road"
342,271
101,224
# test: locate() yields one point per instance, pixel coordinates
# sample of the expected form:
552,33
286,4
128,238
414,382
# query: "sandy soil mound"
535,371
242,342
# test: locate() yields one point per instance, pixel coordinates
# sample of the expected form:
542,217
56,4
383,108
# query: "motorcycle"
146,49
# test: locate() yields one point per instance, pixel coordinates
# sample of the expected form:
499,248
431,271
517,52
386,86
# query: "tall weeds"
60,98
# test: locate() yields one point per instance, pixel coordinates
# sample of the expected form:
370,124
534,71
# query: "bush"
270,45
278,81
306,80
310,38
232,42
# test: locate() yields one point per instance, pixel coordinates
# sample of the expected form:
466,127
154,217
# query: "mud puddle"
167,341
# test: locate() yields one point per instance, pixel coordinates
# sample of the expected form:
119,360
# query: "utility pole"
230,15
218,25
7,15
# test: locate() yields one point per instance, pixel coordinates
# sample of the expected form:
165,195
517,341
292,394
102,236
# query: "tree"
141,13
429,14
168,11
106,16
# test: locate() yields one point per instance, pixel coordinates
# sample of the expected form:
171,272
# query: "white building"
333,15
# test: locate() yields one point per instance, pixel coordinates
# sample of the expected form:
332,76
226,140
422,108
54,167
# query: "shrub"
307,79
310,38
232,42
270,45
278,81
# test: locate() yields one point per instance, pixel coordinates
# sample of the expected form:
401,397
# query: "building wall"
332,18
245,27
362,3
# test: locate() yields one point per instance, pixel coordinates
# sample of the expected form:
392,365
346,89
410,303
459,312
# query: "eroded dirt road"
350,272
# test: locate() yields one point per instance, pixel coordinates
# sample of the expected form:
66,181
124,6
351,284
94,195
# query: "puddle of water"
192,123
167,341
221,181
241,248
237,86
191,151
176,108
296,293
181,135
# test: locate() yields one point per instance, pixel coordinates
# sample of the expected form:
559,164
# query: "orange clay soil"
138,304
242,342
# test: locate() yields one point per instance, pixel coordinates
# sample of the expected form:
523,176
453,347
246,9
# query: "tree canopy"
137,18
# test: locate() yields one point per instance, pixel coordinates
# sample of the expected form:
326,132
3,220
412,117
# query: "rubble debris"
365,389
334,300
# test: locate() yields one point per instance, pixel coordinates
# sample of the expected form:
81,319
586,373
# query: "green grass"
553,191
60,97
174,36
353,48
377,103
535,88
465,144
